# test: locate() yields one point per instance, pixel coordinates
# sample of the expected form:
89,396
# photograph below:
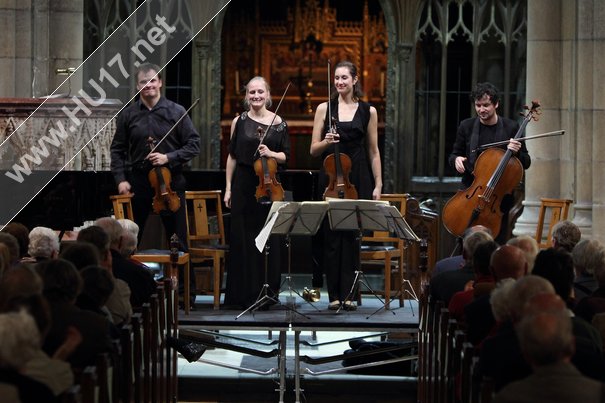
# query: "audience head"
566,235
589,259
556,265
43,243
13,246
546,338
97,285
20,281
470,242
508,262
20,339
525,288
62,282
81,254
529,246
129,237
113,228
100,239
37,306
499,300
482,257
21,234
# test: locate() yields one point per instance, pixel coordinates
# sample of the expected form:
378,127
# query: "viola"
269,188
164,199
338,167
497,173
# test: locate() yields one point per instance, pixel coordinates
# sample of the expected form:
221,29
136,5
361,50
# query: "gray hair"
566,235
129,226
471,242
589,257
499,299
20,339
112,227
525,288
529,246
43,242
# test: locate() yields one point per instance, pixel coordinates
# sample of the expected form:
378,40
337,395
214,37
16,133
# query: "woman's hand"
227,198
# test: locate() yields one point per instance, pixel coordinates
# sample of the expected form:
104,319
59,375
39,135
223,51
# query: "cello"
497,173
269,188
337,165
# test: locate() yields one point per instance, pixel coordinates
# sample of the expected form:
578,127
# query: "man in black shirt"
152,116
487,127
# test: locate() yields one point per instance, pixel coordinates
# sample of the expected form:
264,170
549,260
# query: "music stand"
357,215
298,218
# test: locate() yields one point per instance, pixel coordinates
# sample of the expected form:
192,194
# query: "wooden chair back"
206,235
122,206
559,210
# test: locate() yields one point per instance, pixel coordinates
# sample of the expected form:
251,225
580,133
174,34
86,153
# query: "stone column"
545,82
65,35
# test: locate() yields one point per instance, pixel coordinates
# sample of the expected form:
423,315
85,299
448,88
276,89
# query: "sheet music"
263,236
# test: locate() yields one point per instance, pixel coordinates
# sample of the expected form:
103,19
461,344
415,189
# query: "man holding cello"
488,127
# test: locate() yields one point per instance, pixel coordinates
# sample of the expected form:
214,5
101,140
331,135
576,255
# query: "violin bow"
274,116
173,127
537,136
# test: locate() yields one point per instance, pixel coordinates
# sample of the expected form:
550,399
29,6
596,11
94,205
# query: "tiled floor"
216,378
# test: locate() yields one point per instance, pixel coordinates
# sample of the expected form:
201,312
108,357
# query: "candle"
382,83
236,81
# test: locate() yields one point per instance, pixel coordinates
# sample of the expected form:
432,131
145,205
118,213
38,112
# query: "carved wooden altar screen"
291,41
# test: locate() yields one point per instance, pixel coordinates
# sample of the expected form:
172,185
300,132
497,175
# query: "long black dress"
341,248
245,264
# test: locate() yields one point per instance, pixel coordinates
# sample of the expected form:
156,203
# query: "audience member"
500,357
20,341
13,247
119,302
506,262
62,285
81,254
21,234
483,283
139,280
457,261
5,258
97,287
547,343
529,246
594,304
20,281
43,244
444,285
588,257
566,235
556,265
53,372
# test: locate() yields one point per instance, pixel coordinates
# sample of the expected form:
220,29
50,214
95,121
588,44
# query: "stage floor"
284,342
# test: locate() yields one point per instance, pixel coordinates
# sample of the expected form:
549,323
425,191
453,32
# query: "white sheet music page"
263,235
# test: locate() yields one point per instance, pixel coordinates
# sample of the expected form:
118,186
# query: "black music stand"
298,218
357,215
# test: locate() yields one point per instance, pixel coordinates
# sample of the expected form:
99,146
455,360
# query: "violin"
497,173
338,168
165,199
269,188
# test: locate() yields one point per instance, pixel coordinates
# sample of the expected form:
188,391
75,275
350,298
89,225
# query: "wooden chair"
385,249
206,234
559,209
122,208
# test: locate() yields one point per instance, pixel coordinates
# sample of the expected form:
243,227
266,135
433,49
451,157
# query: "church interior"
68,74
